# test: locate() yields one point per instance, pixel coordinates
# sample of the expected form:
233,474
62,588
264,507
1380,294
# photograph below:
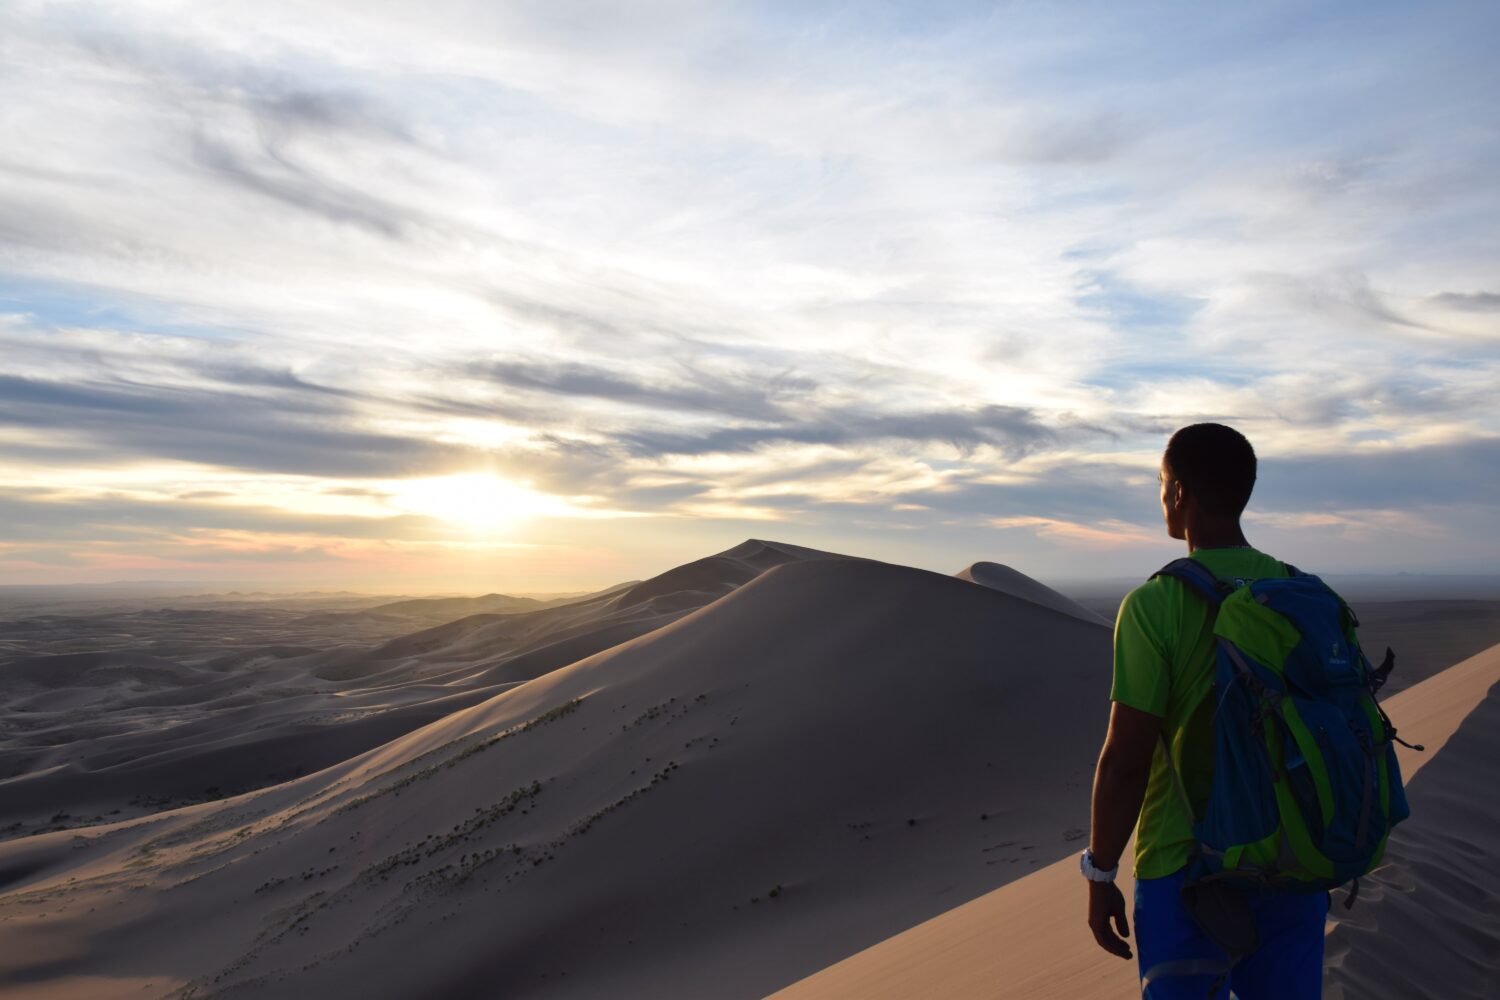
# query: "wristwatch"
1086,865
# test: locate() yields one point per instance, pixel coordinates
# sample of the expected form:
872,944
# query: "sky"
543,296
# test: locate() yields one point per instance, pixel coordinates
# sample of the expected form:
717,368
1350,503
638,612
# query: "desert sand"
712,783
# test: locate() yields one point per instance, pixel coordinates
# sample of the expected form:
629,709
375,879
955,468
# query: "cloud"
747,395
1362,524
1104,534
1480,302
1461,472
1011,430
186,71
302,431
280,177
1347,298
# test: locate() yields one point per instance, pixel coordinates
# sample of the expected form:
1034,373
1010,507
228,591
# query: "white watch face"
1091,871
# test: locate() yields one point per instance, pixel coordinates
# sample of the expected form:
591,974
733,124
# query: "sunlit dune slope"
834,751
92,735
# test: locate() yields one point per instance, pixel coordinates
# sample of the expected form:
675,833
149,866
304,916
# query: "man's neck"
1221,535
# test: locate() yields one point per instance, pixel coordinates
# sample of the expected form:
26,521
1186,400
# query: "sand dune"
1017,584
711,809
1028,939
1428,636
448,608
85,736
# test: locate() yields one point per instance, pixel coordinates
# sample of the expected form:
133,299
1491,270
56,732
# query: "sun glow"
477,501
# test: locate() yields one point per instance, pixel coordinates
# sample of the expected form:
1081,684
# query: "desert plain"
769,771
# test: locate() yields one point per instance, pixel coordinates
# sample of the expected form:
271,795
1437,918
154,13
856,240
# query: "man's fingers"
1107,940
1106,905
1112,944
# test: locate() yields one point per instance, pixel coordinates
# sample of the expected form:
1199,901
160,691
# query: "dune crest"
1017,584
714,576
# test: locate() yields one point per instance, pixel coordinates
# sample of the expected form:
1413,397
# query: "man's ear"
1179,495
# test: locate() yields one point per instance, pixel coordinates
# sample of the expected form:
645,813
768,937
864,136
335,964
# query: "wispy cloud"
1483,302
749,394
1108,534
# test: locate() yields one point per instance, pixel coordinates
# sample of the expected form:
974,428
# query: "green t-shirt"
1164,665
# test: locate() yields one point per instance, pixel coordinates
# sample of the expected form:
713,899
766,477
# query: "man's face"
1171,502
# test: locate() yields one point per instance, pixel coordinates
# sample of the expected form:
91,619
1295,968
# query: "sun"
477,501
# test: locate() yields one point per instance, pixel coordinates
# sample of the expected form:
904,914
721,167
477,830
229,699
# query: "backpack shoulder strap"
1198,579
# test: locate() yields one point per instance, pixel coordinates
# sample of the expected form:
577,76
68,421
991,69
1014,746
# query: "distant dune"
443,609
1017,584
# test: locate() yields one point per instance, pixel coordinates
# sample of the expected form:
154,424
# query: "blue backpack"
1305,786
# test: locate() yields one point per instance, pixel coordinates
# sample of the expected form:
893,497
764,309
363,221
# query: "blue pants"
1178,960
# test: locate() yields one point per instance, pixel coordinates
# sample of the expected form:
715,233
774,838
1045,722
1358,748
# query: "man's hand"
1119,786
1107,903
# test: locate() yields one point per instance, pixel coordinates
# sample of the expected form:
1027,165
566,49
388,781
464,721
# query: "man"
1164,665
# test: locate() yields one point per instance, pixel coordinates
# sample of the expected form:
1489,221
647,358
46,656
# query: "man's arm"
1119,788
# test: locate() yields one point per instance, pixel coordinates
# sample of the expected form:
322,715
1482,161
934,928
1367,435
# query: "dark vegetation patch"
469,751
670,709
433,844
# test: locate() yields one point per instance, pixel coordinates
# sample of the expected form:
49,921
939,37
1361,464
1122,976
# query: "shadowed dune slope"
1019,585
1437,935
1438,893
834,751
436,610
457,607
106,669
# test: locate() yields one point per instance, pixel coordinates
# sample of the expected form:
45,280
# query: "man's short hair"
1215,463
